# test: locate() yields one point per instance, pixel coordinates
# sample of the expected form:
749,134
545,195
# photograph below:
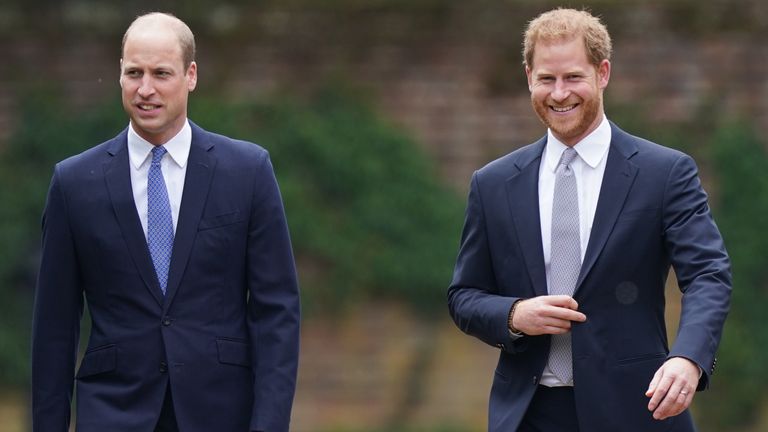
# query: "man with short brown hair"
566,248
176,239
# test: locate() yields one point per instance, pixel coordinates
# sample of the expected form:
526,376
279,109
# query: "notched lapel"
200,168
118,178
619,175
523,201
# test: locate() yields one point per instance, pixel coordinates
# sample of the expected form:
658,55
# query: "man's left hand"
672,387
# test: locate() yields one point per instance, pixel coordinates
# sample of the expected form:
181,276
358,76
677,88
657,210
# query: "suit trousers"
552,409
167,420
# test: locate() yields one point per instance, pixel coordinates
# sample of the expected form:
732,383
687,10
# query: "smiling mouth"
563,109
147,107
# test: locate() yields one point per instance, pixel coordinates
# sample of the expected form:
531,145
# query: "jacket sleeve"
273,310
58,308
701,264
473,296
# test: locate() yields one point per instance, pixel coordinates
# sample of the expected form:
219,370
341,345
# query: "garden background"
376,113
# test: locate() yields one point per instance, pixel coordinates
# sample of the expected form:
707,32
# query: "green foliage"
44,135
731,154
740,158
367,217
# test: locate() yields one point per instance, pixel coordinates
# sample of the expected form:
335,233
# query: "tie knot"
157,154
568,156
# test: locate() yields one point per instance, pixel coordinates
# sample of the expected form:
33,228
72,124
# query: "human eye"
546,79
132,73
162,73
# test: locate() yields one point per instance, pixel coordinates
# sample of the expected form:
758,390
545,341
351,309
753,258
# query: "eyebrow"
155,67
567,73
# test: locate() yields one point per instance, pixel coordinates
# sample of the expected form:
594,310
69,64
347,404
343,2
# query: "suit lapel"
619,175
200,168
523,200
118,178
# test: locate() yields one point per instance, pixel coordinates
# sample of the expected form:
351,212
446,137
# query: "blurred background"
376,113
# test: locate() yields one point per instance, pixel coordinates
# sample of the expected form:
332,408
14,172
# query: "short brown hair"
183,32
566,24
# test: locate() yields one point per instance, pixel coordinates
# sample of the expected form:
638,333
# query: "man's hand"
549,314
672,387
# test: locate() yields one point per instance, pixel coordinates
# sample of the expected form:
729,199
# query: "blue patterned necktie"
159,219
565,258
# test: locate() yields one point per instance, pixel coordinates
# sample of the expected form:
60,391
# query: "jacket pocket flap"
220,220
98,360
234,352
641,358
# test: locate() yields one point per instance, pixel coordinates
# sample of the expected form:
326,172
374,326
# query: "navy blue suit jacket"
652,213
224,337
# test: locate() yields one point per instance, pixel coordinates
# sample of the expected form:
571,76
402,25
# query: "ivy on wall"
368,219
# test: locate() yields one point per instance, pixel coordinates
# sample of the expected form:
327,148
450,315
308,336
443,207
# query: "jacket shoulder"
513,162
235,150
94,154
91,160
641,149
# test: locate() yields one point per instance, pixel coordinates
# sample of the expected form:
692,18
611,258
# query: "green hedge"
368,218
739,159
732,160
46,132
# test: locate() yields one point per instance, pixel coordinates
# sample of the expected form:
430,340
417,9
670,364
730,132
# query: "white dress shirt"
589,168
173,165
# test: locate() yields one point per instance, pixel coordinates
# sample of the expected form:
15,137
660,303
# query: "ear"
192,76
528,74
603,74
120,78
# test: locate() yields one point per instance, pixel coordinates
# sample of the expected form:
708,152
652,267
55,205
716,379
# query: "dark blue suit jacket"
225,337
652,213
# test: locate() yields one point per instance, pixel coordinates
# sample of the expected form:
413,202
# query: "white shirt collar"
178,146
592,149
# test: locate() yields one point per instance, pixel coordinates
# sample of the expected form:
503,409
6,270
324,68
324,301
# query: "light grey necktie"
565,258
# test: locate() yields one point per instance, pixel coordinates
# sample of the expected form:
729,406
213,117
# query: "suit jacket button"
535,380
500,346
163,367
166,321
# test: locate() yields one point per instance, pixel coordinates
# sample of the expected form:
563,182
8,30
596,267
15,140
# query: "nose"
561,91
147,88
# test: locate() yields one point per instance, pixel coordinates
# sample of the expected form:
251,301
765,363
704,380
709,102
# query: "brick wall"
451,77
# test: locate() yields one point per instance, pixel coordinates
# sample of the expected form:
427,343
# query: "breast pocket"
220,243
221,220
638,214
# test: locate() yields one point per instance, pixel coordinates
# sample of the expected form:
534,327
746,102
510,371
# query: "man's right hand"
549,314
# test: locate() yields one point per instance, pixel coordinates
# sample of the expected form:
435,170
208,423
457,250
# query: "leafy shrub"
44,134
367,216
739,159
368,219
733,159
